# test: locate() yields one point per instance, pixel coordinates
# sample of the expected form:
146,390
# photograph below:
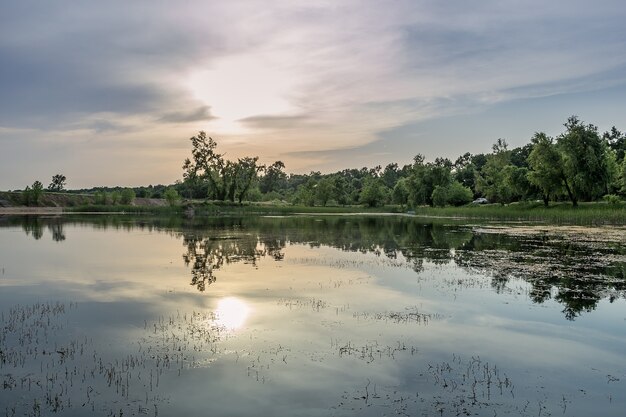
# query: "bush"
458,195
612,199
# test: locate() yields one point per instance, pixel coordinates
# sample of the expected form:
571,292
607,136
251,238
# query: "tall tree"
492,180
58,183
274,179
546,167
585,161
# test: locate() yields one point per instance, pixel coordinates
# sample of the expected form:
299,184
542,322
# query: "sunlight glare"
240,87
231,312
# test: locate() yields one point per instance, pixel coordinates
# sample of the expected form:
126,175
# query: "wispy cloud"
305,82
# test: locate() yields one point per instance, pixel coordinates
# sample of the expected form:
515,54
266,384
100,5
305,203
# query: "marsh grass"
558,213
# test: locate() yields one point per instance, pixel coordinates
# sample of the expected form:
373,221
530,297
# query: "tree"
585,161
171,195
491,181
457,194
425,177
127,196
245,171
275,178
439,196
546,167
374,193
114,197
208,166
58,183
325,190
224,179
400,194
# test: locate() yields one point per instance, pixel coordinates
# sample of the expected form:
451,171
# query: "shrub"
458,195
612,199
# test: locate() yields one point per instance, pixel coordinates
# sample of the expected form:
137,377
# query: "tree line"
580,164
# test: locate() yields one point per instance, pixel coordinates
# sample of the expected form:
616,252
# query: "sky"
109,92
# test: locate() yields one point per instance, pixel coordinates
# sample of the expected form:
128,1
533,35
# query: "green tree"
127,196
275,178
114,197
585,161
492,180
100,197
457,194
325,190
244,173
58,183
374,193
208,166
171,195
546,167
440,196
400,194
425,177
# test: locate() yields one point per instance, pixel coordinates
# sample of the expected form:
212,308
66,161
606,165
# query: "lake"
309,316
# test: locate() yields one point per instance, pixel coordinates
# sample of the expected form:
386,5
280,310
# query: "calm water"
309,316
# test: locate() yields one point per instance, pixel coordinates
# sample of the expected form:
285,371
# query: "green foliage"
612,199
304,195
275,178
115,197
440,196
493,180
127,196
585,165
32,195
171,195
325,190
224,180
546,167
425,177
374,193
622,176
457,194
100,198
58,183
400,194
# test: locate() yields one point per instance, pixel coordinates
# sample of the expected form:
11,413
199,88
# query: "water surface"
308,316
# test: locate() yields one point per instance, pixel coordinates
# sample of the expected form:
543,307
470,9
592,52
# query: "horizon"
111,93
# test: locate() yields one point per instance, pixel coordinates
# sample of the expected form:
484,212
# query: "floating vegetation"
45,367
408,315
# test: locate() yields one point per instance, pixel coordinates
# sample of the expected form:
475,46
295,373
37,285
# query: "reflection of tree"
33,226
573,273
576,274
56,229
208,254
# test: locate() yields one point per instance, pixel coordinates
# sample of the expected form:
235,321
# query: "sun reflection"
231,312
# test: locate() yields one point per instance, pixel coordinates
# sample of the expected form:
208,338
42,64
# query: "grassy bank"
557,213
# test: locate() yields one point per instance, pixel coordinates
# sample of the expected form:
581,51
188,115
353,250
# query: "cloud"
201,113
274,122
295,76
